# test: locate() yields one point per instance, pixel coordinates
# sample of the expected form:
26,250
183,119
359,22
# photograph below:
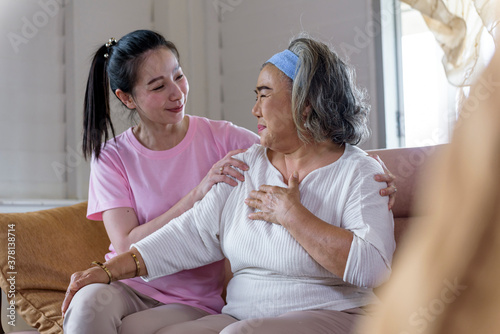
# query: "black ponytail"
96,111
114,67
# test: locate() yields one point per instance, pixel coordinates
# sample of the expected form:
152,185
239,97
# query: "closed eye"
159,87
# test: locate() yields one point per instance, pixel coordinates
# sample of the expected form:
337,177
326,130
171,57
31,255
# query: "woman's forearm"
125,266
120,267
329,245
124,229
117,220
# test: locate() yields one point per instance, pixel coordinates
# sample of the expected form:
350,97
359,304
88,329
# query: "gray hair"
327,84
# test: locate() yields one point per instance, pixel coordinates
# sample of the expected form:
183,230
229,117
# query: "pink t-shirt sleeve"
108,187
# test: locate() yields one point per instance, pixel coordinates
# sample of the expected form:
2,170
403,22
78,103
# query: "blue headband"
287,62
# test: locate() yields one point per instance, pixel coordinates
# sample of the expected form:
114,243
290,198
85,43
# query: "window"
429,100
430,104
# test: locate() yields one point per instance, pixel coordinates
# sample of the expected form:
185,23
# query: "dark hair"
118,70
327,84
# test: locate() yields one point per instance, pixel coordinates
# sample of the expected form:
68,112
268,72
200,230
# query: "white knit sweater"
273,274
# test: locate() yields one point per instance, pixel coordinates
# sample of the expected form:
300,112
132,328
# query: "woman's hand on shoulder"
81,279
388,178
223,171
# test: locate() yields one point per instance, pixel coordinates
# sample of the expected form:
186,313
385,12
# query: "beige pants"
298,322
117,308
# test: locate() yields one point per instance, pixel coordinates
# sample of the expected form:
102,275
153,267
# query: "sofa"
40,250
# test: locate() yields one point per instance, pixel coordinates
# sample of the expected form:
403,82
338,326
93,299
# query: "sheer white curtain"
462,28
32,95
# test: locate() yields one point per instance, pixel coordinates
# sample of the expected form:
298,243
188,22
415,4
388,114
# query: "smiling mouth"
178,109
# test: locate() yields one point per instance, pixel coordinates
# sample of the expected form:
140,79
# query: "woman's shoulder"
208,123
224,134
221,127
362,160
253,155
110,150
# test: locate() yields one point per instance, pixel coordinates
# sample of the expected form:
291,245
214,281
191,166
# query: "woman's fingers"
392,199
81,279
70,292
222,171
258,216
229,170
226,179
390,179
235,162
227,166
254,199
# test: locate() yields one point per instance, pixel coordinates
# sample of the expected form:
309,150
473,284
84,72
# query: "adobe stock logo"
31,26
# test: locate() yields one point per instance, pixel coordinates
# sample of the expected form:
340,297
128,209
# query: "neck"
305,158
159,137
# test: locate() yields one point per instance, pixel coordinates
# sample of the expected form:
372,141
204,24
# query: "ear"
307,110
126,99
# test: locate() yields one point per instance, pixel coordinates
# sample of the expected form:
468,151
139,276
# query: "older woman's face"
273,109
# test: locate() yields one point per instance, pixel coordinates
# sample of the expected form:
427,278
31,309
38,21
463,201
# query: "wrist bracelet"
97,263
137,265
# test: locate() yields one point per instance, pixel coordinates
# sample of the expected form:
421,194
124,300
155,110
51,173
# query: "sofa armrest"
45,248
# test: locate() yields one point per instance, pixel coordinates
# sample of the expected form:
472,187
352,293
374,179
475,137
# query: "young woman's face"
273,109
161,90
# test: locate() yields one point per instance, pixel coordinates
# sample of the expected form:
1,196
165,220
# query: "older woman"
307,233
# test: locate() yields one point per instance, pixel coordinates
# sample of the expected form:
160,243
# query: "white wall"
193,26
32,99
252,31
224,59
222,45
89,24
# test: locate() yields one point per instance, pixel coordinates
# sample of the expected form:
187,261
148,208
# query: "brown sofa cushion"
48,249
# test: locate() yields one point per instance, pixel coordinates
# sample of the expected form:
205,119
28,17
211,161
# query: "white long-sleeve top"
273,273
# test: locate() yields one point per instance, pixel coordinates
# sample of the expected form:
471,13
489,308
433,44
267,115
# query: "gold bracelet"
97,263
137,265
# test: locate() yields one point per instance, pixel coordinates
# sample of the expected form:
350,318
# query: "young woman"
166,163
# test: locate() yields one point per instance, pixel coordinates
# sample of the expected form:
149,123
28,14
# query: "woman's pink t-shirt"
128,174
